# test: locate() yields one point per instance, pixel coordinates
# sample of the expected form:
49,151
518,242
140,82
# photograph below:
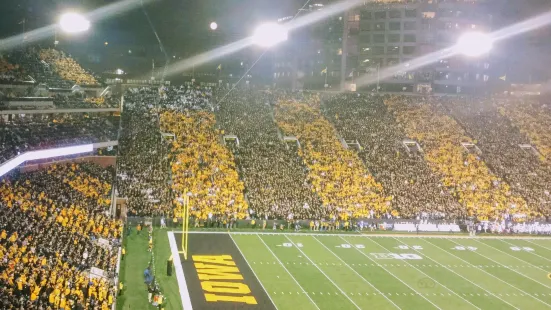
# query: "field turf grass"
132,268
303,271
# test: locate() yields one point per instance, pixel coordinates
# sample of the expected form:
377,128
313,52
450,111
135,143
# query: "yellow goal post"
185,225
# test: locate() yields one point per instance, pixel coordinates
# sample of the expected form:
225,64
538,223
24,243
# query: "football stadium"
252,154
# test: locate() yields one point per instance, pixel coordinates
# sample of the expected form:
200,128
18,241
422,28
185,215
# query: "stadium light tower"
474,44
74,23
269,34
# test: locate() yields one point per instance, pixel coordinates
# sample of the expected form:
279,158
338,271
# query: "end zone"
216,275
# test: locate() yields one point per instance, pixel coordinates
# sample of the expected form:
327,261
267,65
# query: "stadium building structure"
380,34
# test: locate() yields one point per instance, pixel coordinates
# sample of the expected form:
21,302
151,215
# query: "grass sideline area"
136,260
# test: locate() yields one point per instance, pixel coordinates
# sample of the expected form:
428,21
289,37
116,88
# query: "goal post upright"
185,225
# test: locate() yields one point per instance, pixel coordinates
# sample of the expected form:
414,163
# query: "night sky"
183,26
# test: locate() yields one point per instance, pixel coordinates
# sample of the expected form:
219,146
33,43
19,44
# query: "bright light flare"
474,44
74,23
213,26
269,34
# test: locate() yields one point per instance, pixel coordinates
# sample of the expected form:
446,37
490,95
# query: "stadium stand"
275,178
416,190
66,67
142,169
449,152
23,133
50,221
203,168
337,174
506,150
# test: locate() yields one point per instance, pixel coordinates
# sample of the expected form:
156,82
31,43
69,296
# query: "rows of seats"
30,64
49,220
337,174
24,133
10,73
533,119
416,190
500,143
481,193
203,168
66,67
79,101
142,168
275,178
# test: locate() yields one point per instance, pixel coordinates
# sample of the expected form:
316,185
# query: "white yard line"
182,285
495,277
450,290
328,278
273,303
392,274
459,275
282,265
519,259
537,244
359,275
531,252
365,235
505,265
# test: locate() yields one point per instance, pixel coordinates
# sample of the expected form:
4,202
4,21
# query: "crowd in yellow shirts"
507,150
274,175
339,177
66,67
447,151
202,167
415,189
533,119
49,220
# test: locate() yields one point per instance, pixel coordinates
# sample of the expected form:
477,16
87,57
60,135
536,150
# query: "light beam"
42,33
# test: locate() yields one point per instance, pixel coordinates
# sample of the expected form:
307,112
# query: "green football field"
360,272
352,271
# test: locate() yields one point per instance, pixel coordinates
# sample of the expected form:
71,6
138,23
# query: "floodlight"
474,44
74,23
269,34
213,26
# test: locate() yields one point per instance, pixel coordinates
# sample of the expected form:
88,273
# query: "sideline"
375,235
182,285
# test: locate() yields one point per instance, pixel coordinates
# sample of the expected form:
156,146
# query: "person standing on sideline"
139,228
123,253
163,222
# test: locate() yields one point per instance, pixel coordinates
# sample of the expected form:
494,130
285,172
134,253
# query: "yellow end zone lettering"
216,267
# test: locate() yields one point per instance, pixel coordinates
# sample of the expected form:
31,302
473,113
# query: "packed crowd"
79,101
415,189
449,152
24,133
337,174
142,166
9,73
66,67
50,221
533,119
275,178
202,168
500,143
30,64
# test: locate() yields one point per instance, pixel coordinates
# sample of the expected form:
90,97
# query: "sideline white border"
366,235
182,285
